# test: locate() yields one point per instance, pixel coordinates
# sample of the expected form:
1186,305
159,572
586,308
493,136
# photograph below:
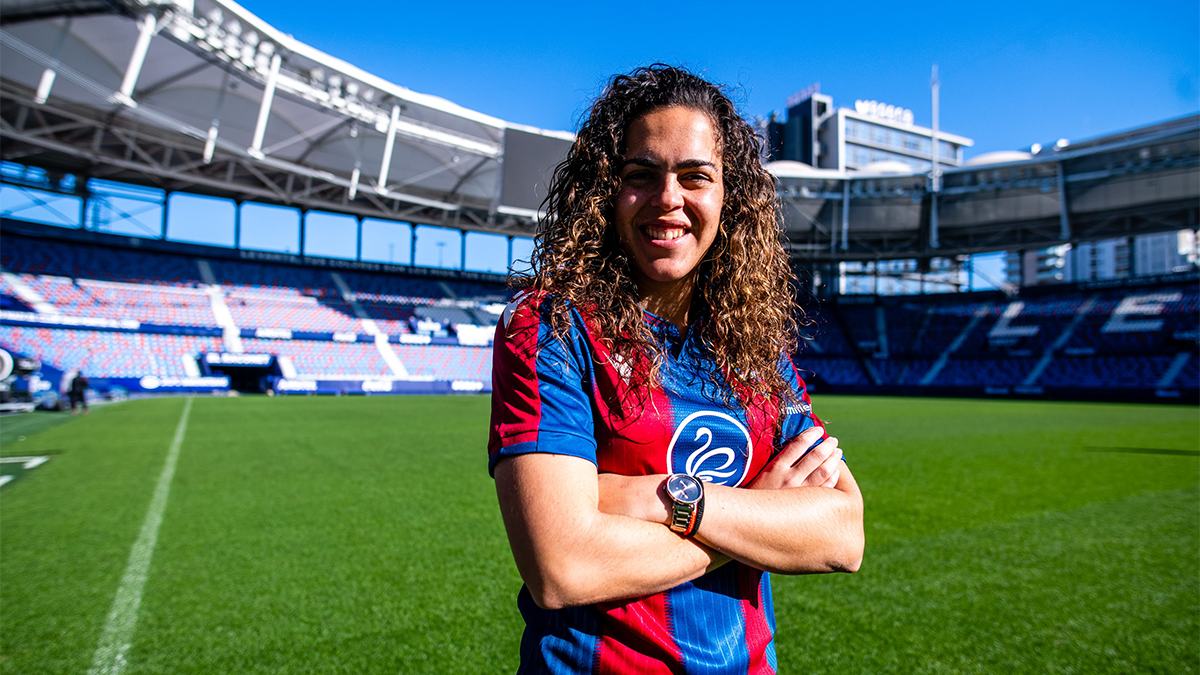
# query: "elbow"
847,542
851,559
548,596
560,590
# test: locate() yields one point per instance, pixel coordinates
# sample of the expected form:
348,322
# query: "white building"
848,139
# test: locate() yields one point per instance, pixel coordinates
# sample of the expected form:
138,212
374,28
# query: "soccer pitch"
361,535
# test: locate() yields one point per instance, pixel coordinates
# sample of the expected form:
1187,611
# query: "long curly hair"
744,287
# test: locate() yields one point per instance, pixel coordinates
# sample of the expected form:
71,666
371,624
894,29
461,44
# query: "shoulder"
791,373
536,320
533,308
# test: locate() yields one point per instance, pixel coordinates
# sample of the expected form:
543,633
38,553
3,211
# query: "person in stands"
653,446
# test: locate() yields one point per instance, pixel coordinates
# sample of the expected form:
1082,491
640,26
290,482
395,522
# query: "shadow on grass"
1145,451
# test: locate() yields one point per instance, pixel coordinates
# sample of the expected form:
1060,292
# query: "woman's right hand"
796,466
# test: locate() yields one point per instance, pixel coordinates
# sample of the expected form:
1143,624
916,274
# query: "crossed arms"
580,537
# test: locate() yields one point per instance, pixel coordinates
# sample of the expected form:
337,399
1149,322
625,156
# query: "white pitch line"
117,637
29,462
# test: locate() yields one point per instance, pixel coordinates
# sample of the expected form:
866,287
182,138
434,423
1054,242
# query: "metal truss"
117,147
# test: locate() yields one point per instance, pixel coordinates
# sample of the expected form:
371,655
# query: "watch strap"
685,518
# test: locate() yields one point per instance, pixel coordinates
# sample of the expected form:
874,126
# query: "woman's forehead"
676,133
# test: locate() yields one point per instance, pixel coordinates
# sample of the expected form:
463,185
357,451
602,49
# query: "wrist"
686,499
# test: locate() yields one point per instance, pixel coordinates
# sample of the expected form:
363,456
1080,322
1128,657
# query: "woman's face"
668,208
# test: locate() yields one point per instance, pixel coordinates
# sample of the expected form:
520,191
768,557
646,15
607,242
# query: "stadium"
281,275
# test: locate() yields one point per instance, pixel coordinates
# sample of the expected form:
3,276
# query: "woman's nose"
669,194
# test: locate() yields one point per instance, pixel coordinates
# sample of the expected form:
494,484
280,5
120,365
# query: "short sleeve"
540,385
797,414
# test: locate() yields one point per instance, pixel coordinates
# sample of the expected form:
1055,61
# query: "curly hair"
744,287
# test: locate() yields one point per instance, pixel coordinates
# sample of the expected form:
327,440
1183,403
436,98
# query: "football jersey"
571,397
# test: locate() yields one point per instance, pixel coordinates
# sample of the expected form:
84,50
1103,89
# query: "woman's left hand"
799,466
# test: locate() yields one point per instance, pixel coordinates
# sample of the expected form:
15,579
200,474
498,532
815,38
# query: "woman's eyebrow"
652,164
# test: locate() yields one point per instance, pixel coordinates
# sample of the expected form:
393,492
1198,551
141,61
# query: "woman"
648,348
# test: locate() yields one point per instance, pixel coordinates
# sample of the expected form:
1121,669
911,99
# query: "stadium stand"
1099,342
106,354
321,358
448,362
164,312
162,305
294,312
67,259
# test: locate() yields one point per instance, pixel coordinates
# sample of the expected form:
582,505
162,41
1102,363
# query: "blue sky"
1012,73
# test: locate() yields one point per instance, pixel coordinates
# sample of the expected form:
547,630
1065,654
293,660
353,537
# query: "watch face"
684,488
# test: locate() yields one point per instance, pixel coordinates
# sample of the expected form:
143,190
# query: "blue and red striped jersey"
569,396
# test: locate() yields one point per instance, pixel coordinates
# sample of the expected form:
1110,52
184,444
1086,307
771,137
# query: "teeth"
665,233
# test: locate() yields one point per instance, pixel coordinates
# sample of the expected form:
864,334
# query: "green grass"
361,535
15,429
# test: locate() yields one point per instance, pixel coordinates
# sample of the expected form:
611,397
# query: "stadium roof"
1139,181
203,96
207,97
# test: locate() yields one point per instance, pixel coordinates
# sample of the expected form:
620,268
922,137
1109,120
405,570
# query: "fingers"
799,445
806,461
821,466
816,455
834,466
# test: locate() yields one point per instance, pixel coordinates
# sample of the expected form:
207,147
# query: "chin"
665,276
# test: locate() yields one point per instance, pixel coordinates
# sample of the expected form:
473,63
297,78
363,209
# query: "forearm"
569,553
616,558
790,531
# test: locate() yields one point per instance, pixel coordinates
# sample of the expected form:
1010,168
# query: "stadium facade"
117,116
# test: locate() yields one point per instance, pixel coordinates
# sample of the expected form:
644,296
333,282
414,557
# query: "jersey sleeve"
540,385
796,415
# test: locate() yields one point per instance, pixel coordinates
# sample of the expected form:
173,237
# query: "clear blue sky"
1012,73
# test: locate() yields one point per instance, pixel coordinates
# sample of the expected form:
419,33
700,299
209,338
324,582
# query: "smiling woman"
668,209
653,446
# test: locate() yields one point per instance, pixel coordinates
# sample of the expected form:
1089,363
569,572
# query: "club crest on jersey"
711,446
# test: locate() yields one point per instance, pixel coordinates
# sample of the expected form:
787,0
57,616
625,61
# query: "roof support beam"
1064,212
146,27
264,109
388,145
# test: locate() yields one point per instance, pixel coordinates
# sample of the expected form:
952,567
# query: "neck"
671,301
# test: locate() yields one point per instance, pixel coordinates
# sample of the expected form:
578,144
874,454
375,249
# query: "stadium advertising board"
156,384
375,386
35,319
229,359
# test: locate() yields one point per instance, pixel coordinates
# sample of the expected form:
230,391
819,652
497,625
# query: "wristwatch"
687,493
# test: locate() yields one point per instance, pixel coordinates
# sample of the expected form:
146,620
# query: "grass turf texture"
361,535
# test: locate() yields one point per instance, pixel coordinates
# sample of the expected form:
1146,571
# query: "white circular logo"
150,382
711,446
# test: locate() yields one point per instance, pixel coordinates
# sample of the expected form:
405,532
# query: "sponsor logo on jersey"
711,446
800,408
